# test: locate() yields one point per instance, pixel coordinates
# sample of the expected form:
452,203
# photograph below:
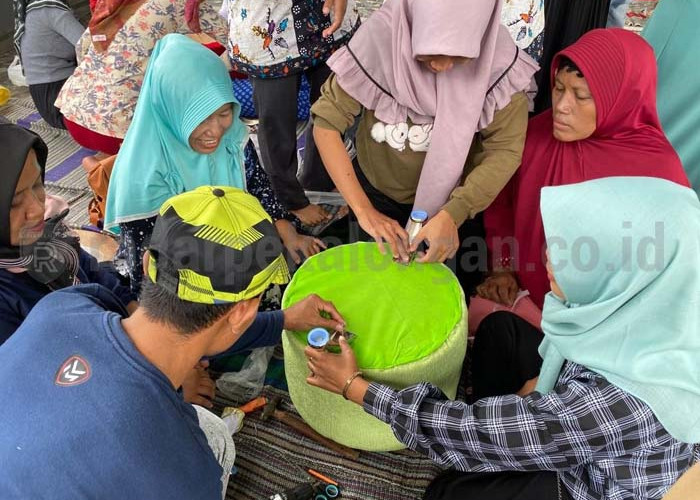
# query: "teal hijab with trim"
625,252
184,84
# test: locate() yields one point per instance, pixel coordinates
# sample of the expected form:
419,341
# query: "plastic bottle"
318,338
413,227
415,223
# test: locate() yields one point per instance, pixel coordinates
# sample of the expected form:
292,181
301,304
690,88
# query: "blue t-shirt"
85,415
19,292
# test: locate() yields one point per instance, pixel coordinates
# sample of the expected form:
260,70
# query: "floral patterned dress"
525,21
276,38
102,92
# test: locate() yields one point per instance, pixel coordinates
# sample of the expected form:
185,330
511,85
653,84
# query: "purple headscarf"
379,69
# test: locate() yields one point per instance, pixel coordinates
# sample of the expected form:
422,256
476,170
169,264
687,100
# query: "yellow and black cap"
221,243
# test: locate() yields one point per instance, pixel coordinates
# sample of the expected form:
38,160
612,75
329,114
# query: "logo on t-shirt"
75,370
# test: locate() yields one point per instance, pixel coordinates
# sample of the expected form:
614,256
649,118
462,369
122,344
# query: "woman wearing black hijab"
566,22
38,253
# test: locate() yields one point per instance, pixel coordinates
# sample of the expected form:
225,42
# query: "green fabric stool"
411,326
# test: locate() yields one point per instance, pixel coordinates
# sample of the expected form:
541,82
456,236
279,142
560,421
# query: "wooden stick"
305,430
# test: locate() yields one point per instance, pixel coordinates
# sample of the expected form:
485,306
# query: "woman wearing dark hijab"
567,21
38,253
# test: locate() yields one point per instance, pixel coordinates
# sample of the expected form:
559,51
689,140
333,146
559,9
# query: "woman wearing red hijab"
603,123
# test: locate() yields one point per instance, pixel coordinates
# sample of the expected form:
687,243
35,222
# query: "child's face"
440,63
552,280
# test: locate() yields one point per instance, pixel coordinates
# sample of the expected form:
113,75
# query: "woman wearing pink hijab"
440,91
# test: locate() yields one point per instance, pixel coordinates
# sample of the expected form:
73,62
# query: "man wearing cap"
89,402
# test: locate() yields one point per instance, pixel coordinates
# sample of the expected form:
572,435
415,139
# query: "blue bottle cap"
419,215
318,337
332,491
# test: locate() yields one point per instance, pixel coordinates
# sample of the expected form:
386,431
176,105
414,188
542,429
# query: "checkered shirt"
603,442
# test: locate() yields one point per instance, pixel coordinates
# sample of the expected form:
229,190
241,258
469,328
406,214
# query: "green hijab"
626,254
184,84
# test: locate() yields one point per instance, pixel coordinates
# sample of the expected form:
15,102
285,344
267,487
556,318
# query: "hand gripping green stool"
411,326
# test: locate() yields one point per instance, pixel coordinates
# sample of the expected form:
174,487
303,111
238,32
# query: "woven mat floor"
271,457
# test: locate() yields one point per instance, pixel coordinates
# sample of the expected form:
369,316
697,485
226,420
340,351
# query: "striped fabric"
195,284
226,238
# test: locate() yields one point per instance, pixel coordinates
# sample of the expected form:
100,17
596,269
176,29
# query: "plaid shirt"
604,442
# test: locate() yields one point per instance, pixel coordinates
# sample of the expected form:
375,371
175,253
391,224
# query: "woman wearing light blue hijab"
629,281
185,133
617,406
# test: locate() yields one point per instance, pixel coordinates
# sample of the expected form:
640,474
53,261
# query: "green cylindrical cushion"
411,326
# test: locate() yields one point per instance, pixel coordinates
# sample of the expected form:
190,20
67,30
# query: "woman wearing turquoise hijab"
185,133
673,32
616,409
